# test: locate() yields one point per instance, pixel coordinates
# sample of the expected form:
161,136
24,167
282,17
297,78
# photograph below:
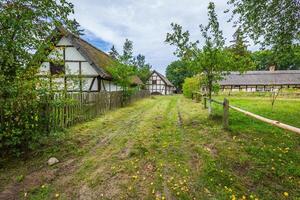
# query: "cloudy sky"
145,22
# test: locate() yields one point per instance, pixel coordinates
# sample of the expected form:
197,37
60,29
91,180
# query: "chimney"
272,68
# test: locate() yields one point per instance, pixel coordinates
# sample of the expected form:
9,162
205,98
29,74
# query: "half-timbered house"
159,84
80,66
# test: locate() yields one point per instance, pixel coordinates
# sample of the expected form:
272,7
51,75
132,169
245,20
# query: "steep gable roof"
281,77
97,58
167,82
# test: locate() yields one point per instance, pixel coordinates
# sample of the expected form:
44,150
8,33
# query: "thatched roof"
97,58
165,80
282,77
136,80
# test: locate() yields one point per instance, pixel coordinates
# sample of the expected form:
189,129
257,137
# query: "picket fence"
65,110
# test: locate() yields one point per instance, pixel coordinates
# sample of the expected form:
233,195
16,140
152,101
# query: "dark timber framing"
157,83
91,55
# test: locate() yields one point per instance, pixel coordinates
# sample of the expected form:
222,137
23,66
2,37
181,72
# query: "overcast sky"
145,22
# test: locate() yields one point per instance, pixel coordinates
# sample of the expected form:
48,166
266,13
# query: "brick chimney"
272,68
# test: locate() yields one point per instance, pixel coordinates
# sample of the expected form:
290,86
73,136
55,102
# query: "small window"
154,82
56,68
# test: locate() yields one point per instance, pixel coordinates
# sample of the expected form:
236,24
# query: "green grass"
167,148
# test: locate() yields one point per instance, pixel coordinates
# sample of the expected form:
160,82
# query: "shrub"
191,85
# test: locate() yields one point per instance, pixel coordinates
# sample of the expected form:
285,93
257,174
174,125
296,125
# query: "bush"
191,85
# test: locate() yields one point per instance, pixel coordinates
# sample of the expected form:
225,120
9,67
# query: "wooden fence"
207,104
65,110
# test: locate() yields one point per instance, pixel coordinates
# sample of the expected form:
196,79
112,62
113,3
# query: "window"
154,82
56,68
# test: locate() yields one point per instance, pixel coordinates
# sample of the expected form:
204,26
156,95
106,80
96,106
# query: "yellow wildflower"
286,194
233,197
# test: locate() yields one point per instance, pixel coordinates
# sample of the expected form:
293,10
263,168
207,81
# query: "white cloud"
146,23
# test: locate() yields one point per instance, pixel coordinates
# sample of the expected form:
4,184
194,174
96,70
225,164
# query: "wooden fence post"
226,114
204,102
209,107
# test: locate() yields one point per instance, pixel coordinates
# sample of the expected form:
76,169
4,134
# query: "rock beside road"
52,161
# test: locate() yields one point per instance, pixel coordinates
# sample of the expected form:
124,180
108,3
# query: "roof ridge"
62,29
93,46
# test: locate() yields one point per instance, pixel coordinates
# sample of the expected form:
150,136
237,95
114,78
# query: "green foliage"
143,69
191,85
25,27
127,56
114,53
273,24
177,72
122,75
239,46
285,61
213,61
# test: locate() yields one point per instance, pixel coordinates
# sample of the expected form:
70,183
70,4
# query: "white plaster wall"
64,41
105,86
72,53
72,68
87,69
95,85
86,83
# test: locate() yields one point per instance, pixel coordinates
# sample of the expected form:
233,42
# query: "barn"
75,65
252,81
159,84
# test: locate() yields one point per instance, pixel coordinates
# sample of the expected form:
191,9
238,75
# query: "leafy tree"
144,69
114,53
127,57
25,27
213,61
272,23
177,72
239,46
122,75
265,58
181,39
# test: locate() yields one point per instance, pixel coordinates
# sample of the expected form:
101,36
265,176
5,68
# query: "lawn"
165,147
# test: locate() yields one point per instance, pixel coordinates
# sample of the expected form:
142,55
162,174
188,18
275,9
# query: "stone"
52,161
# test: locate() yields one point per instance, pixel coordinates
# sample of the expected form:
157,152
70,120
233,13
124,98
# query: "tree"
271,23
25,27
239,46
177,72
213,61
263,59
122,75
241,55
114,53
127,57
144,69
